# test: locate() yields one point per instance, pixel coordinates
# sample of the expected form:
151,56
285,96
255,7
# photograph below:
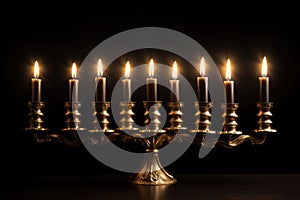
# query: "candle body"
73,88
126,90
229,90
202,85
100,89
174,95
264,89
151,84
36,84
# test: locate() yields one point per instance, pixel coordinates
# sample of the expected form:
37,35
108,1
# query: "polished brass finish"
127,123
72,116
203,117
101,117
36,116
154,136
230,119
264,117
151,171
175,115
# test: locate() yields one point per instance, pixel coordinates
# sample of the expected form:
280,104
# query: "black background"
57,35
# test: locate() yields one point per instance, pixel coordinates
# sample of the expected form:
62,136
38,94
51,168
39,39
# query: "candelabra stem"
152,172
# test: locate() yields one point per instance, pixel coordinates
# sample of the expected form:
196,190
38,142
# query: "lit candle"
151,83
174,83
202,83
264,82
36,84
127,83
73,84
100,84
229,90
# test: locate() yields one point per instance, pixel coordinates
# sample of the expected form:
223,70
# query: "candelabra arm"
230,140
71,140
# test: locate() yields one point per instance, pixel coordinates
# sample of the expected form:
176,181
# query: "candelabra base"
152,172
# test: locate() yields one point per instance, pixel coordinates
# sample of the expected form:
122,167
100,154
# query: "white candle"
36,84
264,82
73,84
127,84
174,83
151,83
100,82
202,83
229,84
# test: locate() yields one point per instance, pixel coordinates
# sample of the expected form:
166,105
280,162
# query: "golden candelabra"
153,137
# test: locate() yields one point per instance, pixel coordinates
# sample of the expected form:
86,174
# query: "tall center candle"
151,83
127,84
229,84
174,83
73,85
202,83
36,84
264,82
100,81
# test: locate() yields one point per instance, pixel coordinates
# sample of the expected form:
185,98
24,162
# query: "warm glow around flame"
100,68
264,69
36,70
228,70
74,70
174,70
202,67
151,68
127,70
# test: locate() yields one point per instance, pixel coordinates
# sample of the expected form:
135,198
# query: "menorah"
152,137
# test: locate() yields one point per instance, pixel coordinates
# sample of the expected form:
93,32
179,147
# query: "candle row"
151,83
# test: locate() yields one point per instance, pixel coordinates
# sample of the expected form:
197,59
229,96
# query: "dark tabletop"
198,186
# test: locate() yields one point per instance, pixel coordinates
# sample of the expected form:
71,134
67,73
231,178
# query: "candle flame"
36,70
151,68
127,70
228,70
202,67
74,70
264,69
100,68
174,70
